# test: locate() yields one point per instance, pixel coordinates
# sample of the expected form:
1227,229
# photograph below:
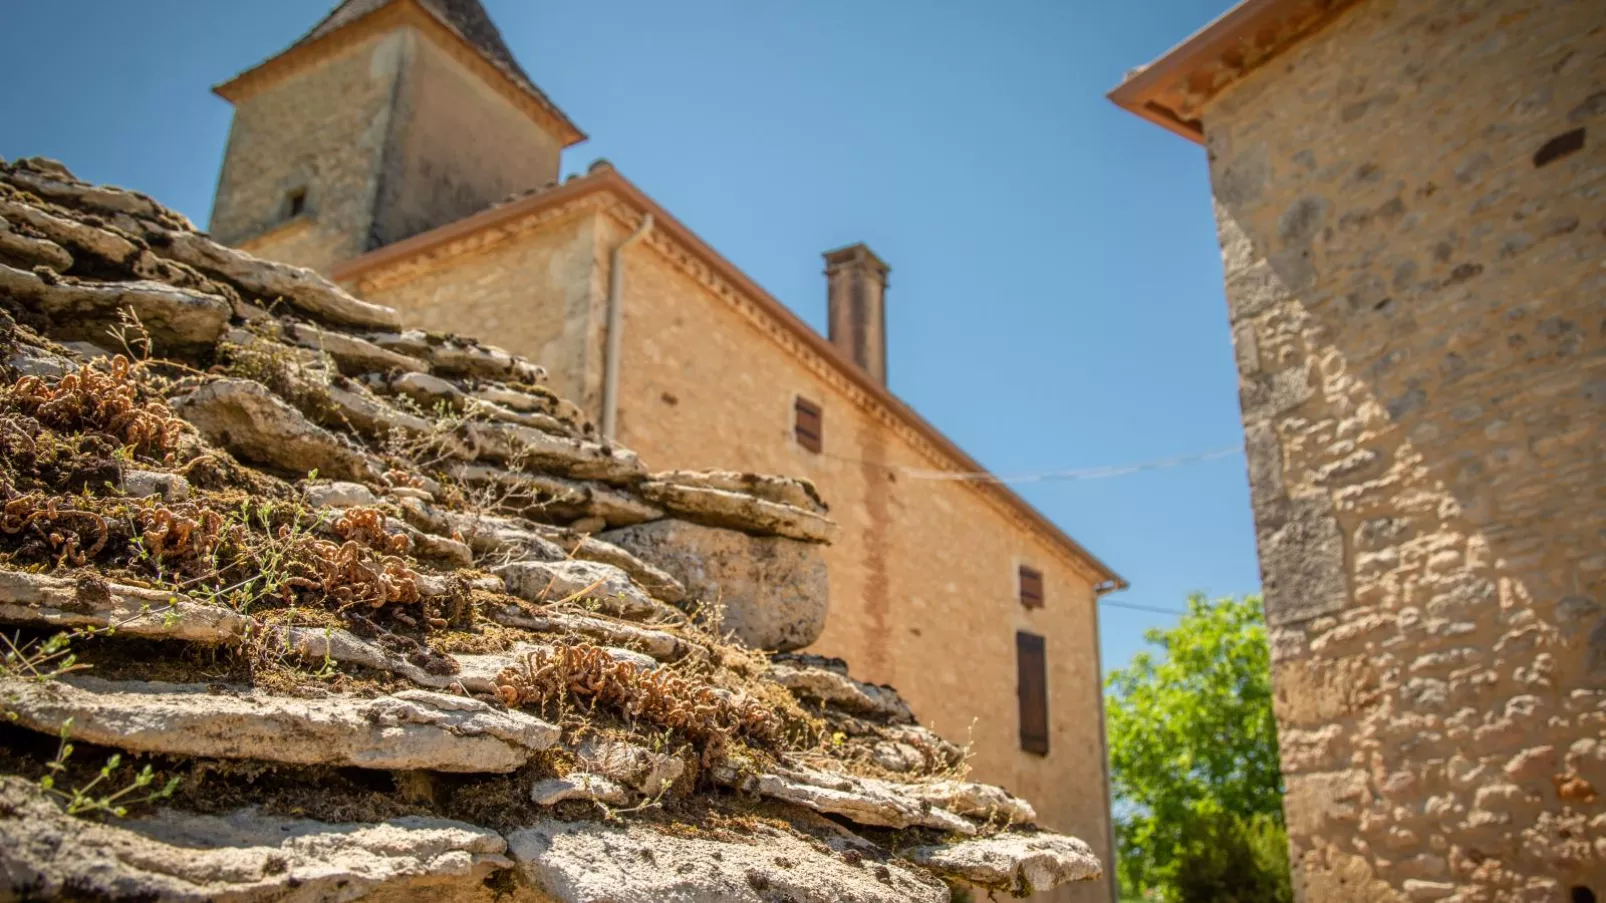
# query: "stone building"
400,149
1409,199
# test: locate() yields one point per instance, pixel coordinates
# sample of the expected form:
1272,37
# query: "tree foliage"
1193,755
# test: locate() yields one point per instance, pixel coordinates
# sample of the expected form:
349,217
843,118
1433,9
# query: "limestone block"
256,425
559,498
51,181
578,785
659,644
338,494
829,686
245,856
371,416
412,729
31,361
781,490
586,582
642,770
486,534
456,357
304,290
354,355
41,599
532,449
655,580
983,801
25,252
592,862
1014,863
173,316
142,483
865,801
442,550
739,511
1302,561
47,600
773,590
82,239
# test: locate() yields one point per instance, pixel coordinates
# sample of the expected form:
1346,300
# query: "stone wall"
1414,278
460,147
352,673
535,294
324,130
922,574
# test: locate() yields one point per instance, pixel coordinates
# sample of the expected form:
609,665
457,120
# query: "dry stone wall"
346,586
1411,218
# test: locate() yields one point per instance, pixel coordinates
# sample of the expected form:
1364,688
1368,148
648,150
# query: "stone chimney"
856,283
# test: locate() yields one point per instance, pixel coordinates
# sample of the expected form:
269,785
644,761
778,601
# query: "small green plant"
48,659
84,800
41,660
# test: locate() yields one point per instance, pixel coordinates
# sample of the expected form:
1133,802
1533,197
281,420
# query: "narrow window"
809,426
1032,665
295,203
1031,587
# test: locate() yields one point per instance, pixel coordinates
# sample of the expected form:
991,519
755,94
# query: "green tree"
1193,756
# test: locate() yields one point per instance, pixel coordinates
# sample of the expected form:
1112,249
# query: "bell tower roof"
463,23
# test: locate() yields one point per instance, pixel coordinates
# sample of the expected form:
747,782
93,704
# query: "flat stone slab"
354,355
243,857
560,498
44,599
413,729
739,511
593,862
1014,863
840,690
982,801
302,289
769,487
79,238
578,785
865,801
774,591
26,252
172,315
245,417
585,583
527,448
659,644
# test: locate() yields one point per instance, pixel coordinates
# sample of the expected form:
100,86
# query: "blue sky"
1056,296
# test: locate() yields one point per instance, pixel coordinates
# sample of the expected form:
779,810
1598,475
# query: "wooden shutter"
1032,664
1031,587
809,427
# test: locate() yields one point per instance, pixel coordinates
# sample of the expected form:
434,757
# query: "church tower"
389,118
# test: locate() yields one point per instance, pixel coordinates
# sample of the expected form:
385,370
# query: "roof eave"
1238,42
248,82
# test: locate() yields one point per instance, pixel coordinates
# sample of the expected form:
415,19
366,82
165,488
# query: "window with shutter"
809,425
1032,664
1031,587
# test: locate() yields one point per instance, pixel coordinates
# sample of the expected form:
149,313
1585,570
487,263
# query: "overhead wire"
1070,474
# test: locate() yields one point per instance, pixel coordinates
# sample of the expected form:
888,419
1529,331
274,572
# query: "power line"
1137,607
1080,473
1072,474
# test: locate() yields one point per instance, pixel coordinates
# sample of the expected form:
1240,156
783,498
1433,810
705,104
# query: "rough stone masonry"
1410,208
394,623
